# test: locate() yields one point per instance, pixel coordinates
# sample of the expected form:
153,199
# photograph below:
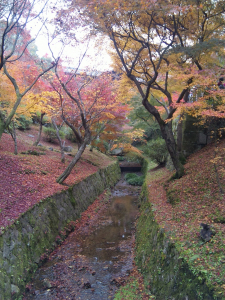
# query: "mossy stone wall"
165,272
23,243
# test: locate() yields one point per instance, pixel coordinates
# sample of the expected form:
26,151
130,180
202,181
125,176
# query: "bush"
69,134
134,179
23,123
134,157
36,117
157,151
121,158
50,134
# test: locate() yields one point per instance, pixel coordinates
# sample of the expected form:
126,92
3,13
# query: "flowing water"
92,265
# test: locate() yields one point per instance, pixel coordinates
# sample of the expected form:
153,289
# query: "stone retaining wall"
24,242
165,272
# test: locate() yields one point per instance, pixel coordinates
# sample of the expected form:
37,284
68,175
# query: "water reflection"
90,267
104,242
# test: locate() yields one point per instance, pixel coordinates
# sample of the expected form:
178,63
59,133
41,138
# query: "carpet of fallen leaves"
26,179
181,205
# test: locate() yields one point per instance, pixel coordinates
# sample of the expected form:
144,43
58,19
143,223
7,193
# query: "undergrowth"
134,179
132,291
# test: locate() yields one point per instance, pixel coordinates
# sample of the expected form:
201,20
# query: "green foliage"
141,119
134,157
134,179
130,291
182,159
69,134
172,196
37,116
33,152
50,134
121,158
153,132
23,122
157,151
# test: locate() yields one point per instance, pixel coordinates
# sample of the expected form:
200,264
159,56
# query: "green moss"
160,262
172,196
131,291
144,168
72,199
32,219
37,229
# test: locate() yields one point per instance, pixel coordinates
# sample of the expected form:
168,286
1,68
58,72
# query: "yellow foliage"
33,103
127,148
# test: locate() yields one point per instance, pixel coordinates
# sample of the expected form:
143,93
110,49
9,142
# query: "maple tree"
20,67
15,15
87,104
164,48
20,81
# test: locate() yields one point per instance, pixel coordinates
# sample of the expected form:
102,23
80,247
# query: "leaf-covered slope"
180,206
25,179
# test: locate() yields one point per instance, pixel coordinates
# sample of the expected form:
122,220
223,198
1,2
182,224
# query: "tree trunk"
40,131
80,151
62,144
2,127
13,135
15,140
167,133
180,134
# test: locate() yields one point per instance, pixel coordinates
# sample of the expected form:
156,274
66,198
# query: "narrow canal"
93,262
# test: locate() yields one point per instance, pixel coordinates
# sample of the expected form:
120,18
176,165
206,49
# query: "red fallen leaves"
27,179
200,200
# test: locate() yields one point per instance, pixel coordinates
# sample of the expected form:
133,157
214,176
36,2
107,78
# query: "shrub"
23,123
69,134
50,134
36,119
157,151
134,157
121,158
134,179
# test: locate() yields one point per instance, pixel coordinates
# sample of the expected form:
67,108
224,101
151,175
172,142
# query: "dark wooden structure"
130,167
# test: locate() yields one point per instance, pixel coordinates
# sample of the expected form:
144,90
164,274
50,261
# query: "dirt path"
95,259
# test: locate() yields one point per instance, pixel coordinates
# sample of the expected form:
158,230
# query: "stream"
94,261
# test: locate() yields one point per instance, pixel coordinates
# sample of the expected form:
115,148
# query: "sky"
95,58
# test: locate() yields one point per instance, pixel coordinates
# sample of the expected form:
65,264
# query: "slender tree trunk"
80,151
13,135
40,131
15,139
61,143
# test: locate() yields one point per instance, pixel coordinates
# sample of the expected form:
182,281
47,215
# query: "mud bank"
36,232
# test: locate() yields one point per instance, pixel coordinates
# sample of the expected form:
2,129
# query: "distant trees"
88,104
15,16
141,119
